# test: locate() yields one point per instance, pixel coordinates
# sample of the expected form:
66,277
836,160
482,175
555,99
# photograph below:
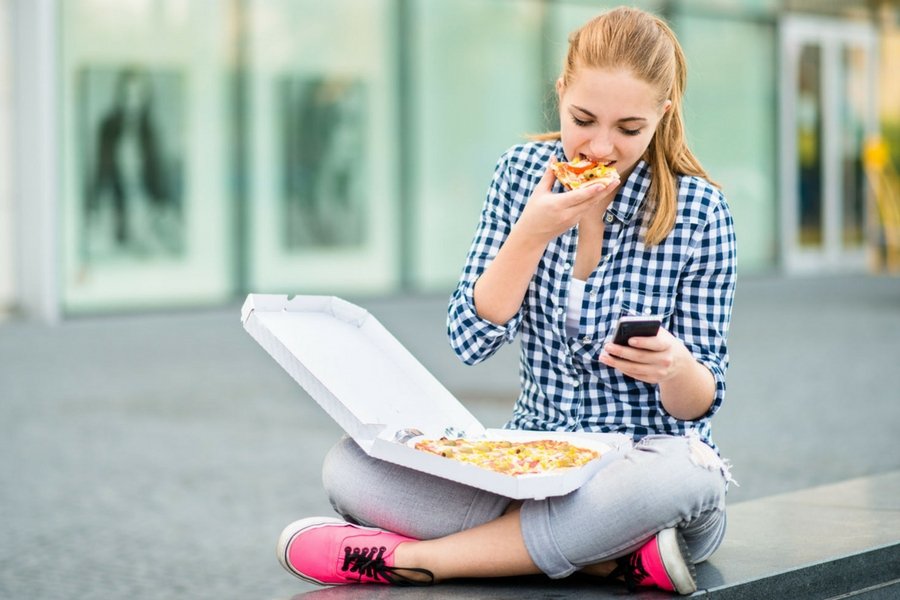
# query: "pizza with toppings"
511,458
582,172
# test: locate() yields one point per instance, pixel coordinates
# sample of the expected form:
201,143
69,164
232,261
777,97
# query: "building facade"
166,153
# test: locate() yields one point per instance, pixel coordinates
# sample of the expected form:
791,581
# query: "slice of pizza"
582,172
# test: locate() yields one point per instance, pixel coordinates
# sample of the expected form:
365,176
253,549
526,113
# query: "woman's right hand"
501,288
548,215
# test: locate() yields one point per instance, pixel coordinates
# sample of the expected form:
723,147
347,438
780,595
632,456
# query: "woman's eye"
631,131
579,122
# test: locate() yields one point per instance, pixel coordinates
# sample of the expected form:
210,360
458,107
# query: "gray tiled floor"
158,456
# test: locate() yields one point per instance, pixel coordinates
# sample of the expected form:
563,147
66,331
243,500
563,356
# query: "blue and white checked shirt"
688,280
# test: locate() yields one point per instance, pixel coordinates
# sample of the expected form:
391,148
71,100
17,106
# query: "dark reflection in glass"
853,115
809,146
324,161
132,137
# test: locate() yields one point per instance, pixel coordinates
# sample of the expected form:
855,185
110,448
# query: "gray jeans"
663,481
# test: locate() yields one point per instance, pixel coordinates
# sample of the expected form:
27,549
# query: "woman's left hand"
650,359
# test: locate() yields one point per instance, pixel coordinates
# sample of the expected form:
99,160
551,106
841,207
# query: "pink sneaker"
662,562
334,552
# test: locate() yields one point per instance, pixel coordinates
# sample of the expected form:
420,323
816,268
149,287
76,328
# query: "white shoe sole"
291,531
677,561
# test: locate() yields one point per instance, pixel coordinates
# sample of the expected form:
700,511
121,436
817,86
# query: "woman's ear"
666,106
559,88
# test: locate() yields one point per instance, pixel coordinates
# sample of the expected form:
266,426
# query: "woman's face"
609,117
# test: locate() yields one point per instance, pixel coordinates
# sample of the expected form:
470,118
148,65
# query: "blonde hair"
629,38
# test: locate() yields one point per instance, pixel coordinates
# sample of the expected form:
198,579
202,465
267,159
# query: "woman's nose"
601,146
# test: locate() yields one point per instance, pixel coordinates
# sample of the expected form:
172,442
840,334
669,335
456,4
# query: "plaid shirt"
688,280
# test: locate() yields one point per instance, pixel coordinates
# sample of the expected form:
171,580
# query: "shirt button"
567,266
575,383
560,310
648,311
609,218
585,340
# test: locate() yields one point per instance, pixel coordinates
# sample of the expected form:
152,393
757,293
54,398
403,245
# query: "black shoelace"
630,568
369,562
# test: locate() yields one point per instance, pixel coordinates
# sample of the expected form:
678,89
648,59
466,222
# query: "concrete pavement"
158,456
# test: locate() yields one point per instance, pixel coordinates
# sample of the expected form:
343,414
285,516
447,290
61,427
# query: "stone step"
838,541
833,541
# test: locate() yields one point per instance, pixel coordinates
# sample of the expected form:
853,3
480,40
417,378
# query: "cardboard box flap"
353,367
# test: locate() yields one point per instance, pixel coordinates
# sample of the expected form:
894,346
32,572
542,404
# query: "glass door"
828,108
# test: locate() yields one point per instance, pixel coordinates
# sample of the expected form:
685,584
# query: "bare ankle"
600,569
406,556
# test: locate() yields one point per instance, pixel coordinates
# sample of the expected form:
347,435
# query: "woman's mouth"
585,157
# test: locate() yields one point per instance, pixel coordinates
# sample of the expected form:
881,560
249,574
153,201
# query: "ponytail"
669,156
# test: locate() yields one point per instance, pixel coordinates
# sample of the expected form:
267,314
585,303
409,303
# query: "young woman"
558,268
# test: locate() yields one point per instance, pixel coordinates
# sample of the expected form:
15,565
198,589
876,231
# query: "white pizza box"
377,392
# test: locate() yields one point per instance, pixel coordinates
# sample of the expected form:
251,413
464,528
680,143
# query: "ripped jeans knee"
703,456
698,452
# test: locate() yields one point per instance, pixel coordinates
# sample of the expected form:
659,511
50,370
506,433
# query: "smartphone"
629,327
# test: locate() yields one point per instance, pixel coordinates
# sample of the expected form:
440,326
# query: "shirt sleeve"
472,338
706,297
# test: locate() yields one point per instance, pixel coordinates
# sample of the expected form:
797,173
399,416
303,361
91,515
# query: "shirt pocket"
644,303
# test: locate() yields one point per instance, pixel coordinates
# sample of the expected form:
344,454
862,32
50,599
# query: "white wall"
7,243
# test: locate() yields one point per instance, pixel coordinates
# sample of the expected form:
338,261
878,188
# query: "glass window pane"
477,91
146,211
738,6
730,117
322,96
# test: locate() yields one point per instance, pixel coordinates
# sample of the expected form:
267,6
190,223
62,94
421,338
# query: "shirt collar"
627,203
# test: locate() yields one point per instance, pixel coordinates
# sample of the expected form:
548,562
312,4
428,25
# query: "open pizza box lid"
377,392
